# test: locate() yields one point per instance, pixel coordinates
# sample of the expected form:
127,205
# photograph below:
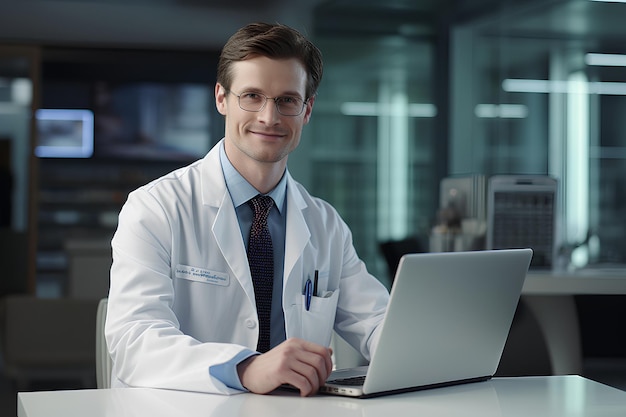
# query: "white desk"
567,396
550,295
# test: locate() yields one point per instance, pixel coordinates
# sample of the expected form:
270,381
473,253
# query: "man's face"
265,136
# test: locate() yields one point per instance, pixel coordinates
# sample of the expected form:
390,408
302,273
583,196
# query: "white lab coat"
181,297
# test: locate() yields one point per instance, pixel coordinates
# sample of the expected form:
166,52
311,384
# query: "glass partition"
533,93
371,139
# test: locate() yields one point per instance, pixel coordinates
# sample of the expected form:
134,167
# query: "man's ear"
308,109
220,99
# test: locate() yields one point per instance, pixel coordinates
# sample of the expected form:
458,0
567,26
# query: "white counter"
550,296
584,282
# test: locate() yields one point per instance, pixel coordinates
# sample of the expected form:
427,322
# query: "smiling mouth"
268,134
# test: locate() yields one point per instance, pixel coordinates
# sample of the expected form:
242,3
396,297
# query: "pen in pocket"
308,293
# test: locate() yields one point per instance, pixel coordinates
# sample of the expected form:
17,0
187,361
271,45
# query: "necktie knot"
261,205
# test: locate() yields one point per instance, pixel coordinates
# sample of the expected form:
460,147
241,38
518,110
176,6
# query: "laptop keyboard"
354,381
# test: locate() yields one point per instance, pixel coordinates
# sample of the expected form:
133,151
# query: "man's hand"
303,364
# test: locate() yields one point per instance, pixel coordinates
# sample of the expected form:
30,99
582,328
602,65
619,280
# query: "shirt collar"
241,190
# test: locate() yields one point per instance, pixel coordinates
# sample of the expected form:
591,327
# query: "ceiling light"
503,111
554,86
607,60
375,109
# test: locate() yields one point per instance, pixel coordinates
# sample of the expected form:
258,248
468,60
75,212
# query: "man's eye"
251,96
288,100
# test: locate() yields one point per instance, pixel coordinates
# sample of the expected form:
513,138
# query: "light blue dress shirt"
240,192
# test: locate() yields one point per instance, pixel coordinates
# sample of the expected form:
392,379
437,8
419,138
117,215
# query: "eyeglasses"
255,102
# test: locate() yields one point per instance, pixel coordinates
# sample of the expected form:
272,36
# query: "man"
188,307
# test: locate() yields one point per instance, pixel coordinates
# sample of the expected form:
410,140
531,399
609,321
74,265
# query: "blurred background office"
98,97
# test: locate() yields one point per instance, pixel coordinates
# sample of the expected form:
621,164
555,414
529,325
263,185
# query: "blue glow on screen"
63,133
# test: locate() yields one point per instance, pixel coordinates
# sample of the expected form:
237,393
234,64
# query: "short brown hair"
274,41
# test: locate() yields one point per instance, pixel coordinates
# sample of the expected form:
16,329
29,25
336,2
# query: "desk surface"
552,396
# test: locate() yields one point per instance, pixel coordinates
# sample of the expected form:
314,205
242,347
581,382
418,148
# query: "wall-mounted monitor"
64,133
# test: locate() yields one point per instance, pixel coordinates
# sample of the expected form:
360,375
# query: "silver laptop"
447,321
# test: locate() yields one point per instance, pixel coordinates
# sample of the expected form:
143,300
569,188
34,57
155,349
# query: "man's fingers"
311,366
313,352
303,364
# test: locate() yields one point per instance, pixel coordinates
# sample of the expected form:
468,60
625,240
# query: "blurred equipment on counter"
499,212
522,213
461,219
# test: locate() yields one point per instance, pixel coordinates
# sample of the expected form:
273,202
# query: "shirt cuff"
227,371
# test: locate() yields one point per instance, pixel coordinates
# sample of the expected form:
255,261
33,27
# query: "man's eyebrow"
292,94
250,90
259,90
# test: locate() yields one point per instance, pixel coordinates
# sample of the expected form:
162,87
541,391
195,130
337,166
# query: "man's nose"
269,114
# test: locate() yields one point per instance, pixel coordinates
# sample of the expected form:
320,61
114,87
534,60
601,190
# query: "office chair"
103,360
393,250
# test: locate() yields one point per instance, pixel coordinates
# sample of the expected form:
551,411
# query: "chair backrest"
103,359
393,250
47,338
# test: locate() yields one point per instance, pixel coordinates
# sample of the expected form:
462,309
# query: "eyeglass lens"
287,106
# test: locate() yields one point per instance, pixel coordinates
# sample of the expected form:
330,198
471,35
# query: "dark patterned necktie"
261,261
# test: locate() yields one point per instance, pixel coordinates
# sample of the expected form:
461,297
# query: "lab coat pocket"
318,321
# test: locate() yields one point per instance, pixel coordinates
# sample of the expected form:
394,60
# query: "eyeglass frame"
304,102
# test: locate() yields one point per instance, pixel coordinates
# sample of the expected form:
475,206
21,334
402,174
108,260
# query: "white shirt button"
250,324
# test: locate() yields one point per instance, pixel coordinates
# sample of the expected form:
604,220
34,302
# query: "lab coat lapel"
228,237
297,234
225,228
